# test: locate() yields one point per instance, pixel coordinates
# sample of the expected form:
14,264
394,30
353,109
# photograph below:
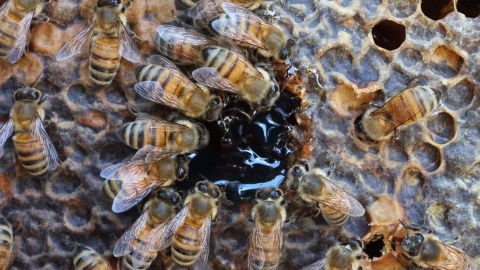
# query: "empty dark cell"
389,34
442,127
397,153
470,8
337,60
374,247
460,96
79,94
428,155
437,9
65,184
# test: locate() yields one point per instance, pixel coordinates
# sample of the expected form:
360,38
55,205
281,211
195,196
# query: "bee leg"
126,5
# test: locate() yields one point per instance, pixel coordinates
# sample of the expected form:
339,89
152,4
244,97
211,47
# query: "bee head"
108,3
208,189
107,17
28,94
182,166
272,194
169,195
214,109
296,173
412,244
287,50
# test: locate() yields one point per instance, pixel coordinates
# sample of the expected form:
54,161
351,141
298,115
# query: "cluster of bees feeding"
208,43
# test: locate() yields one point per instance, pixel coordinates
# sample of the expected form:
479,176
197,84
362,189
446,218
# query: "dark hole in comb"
388,34
437,9
470,8
374,247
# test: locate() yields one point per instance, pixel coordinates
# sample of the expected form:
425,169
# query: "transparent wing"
204,11
22,38
154,91
163,125
128,48
131,194
5,8
161,61
123,245
341,201
257,255
48,149
5,133
212,78
75,45
455,259
318,265
150,153
161,236
126,171
202,260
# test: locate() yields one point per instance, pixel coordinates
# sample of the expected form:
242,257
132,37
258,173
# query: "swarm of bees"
172,219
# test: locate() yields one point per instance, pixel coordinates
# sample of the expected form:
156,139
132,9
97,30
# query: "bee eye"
296,171
260,195
216,101
275,194
202,186
215,194
284,54
357,243
36,95
181,159
18,96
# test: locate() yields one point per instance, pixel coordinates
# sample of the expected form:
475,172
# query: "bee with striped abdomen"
6,243
315,186
268,215
405,108
136,245
143,174
189,231
341,256
162,82
110,40
15,20
249,30
204,11
111,188
230,71
33,148
89,259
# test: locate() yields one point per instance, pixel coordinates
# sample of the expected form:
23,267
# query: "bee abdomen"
8,30
186,245
226,62
30,154
138,260
265,250
111,188
104,60
332,216
136,134
89,259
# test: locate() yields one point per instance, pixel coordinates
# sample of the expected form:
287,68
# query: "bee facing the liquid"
110,39
89,259
34,150
342,256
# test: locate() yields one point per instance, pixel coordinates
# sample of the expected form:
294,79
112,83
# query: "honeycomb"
350,53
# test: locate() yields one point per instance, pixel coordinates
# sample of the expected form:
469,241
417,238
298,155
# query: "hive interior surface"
431,168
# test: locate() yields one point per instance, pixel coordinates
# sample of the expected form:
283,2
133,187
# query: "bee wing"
74,45
456,259
22,38
161,236
123,245
150,153
318,265
154,91
212,78
5,8
202,260
340,200
128,48
131,194
126,171
5,133
274,237
153,122
204,11
161,61
48,149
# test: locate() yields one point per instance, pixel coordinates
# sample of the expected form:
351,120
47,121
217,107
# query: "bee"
111,188
229,71
182,136
316,187
266,241
405,108
183,46
188,232
164,83
33,148
110,40
426,250
88,259
135,244
143,174
6,243
249,30
204,11
341,256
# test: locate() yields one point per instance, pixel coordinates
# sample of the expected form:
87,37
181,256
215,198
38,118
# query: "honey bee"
15,20
266,242
143,174
249,30
204,11
182,136
164,83
426,250
6,243
33,148
88,259
189,231
333,202
135,244
183,46
341,256
110,40
405,108
111,188
228,70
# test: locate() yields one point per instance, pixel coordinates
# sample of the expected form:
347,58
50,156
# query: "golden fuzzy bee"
15,20
341,256
143,174
204,11
249,30
89,259
33,148
405,108
162,82
110,40
426,250
135,244
334,203
6,243
189,231
266,241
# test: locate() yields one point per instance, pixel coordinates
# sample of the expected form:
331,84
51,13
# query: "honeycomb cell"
389,34
46,39
470,8
411,59
76,215
396,152
437,9
29,68
437,216
77,93
64,183
93,119
344,99
403,8
398,80
428,155
413,176
446,62
386,210
34,245
459,96
442,127
338,60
